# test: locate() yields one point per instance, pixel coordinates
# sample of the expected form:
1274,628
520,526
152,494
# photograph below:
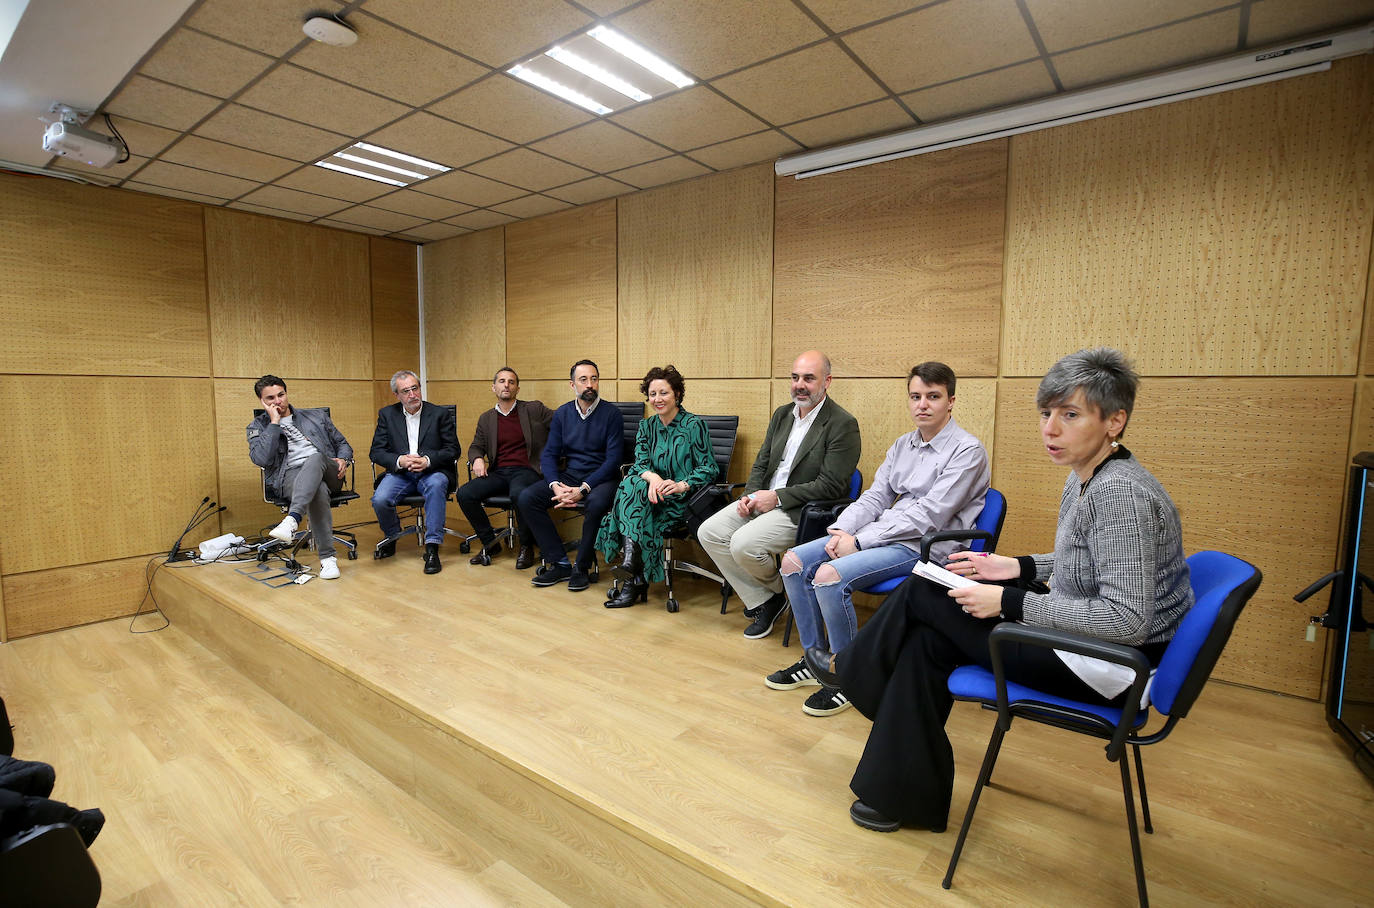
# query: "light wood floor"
655,726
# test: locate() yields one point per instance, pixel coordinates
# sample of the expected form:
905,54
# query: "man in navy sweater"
581,465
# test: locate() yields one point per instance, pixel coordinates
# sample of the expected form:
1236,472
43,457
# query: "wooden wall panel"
287,298
351,406
100,281
1362,434
465,306
1212,443
561,284
52,599
696,276
129,457
1367,350
1201,236
395,307
892,264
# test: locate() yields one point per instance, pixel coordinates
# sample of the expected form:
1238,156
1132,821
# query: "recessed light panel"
373,162
602,71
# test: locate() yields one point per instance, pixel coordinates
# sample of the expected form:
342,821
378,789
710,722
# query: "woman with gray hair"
1117,573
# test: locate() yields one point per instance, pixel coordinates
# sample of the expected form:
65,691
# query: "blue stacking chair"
1222,584
987,527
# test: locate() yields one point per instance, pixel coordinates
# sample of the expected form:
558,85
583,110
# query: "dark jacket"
438,440
535,419
824,462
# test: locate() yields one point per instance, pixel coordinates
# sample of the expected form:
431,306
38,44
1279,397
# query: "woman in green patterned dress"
672,460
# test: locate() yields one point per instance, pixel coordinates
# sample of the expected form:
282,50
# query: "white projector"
73,141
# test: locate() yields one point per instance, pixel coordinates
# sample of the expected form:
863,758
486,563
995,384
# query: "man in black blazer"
416,443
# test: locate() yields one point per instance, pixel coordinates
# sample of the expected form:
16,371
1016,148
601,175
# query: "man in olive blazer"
809,453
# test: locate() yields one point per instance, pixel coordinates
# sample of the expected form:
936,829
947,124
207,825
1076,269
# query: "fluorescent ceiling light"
588,68
539,80
409,159
366,156
359,173
359,160
641,55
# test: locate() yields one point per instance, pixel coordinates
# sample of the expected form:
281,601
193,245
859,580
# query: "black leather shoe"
386,548
578,580
551,574
526,559
766,616
483,556
629,559
818,660
868,818
432,565
631,591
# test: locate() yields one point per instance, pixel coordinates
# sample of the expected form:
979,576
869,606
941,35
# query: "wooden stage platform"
636,757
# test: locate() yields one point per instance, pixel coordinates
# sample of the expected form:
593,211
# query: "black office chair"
336,499
412,507
502,503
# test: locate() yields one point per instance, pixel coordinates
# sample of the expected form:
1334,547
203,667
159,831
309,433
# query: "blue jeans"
834,602
395,486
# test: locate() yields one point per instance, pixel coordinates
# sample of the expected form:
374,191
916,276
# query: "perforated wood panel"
287,298
395,307
560,291
1246,481
696,276
465,306
888,265
1362,436
1367,350
1226,235
351,406
123,293
67,596
130,457
745,398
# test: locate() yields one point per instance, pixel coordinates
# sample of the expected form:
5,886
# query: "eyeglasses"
412,390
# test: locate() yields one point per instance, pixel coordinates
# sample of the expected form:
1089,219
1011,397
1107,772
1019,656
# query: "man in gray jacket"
304,457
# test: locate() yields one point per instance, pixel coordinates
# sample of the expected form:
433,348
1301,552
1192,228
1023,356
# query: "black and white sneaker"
826,702
795,675
767,616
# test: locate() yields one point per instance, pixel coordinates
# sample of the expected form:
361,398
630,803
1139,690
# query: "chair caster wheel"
672,606
352,555
464,547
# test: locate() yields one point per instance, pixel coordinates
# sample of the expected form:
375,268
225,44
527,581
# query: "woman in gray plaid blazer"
1117,572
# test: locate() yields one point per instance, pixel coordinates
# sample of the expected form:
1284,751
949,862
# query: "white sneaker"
329,569
286,530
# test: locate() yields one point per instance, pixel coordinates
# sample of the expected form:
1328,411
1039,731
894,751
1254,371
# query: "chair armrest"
1051,638
930,539
818,515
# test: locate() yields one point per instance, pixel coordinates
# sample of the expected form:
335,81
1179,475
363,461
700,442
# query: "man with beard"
808,454
581,466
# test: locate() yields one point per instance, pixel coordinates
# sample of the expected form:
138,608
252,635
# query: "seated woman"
933,478
1118,574
672,460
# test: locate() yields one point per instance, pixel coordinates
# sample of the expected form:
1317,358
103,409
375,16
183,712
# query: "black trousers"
498,481
535,503
896,672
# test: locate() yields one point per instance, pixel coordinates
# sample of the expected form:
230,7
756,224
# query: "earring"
1115,444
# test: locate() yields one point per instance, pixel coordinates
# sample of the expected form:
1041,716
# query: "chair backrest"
633,412
856,485
722,431
1222,584
990,520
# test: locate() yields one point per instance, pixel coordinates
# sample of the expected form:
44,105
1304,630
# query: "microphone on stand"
203,511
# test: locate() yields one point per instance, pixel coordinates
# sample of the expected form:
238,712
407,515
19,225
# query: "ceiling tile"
1070,23
352,228
600,146
428,233
530,169
307,97
804,84
271,212
1150,51
194,151
436,139
593,190
531,206
143,138
161,104
193,60
870,119
391,62
1274,21
498,34
764,146
173,193
188,179
271,26
105,175
689,119
291,200
943,42
323,181
272,134
410,201
470,188
980,93
707,37
656,173
508,107
480,220
841,15
367,216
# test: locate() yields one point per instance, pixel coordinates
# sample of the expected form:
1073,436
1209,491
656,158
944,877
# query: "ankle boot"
629,559
636,589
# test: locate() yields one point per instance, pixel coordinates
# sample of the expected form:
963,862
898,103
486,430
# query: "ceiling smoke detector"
329,30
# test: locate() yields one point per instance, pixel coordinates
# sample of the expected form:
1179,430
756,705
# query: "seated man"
504,459
416,442
304,457
934,478
587,437
809,453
